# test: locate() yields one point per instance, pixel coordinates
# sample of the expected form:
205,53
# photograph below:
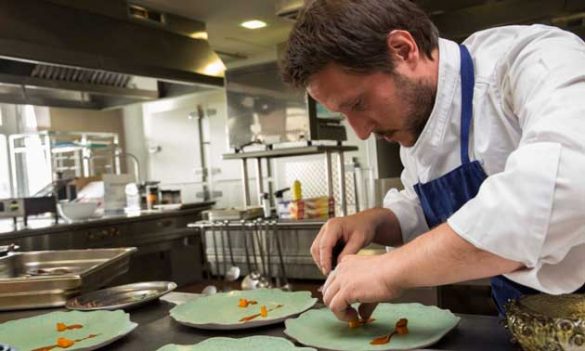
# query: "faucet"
136,163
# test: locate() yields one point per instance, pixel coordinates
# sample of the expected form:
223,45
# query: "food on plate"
401,328
245,303
356,323
63,327
263,312
63,343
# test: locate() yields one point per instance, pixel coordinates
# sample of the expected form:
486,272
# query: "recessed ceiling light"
253,24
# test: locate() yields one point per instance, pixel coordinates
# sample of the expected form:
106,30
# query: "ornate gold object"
548,323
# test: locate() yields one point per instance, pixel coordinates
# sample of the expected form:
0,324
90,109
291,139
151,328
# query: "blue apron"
442,197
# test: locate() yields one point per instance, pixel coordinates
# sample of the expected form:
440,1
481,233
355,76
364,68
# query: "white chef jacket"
528,132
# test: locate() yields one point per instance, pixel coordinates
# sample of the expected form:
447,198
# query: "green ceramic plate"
253,343
221,311
40,331
320,329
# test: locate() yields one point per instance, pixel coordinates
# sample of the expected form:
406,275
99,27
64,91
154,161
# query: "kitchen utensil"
209,290
222,312
251,343
246,249
121,297
254,279
233,273
286,285
321,329
547,322
222,227
215,252
268,249
250,281
263,281
40,331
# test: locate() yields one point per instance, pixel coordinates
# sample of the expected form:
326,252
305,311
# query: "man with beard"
492,136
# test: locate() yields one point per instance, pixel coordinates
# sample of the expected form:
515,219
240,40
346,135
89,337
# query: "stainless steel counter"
40,226
156,328
167,249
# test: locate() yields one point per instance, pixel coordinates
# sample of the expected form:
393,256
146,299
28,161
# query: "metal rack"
309,149
65,155
273,250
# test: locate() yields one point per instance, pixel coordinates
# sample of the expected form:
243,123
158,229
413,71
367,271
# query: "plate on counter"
322,330
252,343
121,297
87,330
223,311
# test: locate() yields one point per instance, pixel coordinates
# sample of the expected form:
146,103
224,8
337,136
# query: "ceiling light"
253,24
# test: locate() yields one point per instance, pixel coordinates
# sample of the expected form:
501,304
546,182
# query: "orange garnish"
402,326
382,339
64,342
356,323
400,329
63,327
244,303
262,313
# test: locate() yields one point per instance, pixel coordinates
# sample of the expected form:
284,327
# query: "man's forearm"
388,230
440,257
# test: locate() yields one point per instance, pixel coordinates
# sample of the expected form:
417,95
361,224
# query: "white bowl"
75,211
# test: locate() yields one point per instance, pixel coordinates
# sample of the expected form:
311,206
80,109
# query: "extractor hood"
457,19
100,54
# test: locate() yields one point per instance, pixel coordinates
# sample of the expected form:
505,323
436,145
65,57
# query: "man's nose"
360,126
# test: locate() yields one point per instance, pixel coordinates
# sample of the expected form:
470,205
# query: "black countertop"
156,328
41,226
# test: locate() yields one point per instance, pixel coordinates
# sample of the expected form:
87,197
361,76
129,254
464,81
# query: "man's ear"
402,47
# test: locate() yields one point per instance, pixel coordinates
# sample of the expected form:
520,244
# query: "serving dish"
320,328
98,328
222,312
121,297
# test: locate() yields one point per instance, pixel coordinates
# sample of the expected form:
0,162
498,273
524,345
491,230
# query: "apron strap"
467,83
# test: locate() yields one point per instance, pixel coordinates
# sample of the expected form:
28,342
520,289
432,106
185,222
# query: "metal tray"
123,296
49,278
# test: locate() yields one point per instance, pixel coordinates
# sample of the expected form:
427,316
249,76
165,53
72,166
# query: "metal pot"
545,322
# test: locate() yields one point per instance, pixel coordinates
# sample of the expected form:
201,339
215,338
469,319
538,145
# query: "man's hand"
356,231
359,279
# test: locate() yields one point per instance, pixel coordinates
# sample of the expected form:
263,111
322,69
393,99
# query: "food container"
547,322
49,278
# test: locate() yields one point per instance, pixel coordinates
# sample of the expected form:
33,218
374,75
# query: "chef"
492,136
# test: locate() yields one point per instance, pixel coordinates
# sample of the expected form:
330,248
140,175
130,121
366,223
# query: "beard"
419,97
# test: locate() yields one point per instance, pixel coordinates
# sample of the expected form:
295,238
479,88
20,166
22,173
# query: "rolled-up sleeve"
534,211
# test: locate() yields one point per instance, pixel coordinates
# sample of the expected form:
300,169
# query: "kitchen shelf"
292,151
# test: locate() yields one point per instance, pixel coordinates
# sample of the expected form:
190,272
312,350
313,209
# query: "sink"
48,278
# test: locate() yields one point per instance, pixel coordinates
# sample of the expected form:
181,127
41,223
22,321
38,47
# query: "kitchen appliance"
28,206
12,208
100,54
263,110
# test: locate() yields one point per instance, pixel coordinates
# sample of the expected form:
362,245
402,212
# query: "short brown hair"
351,33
